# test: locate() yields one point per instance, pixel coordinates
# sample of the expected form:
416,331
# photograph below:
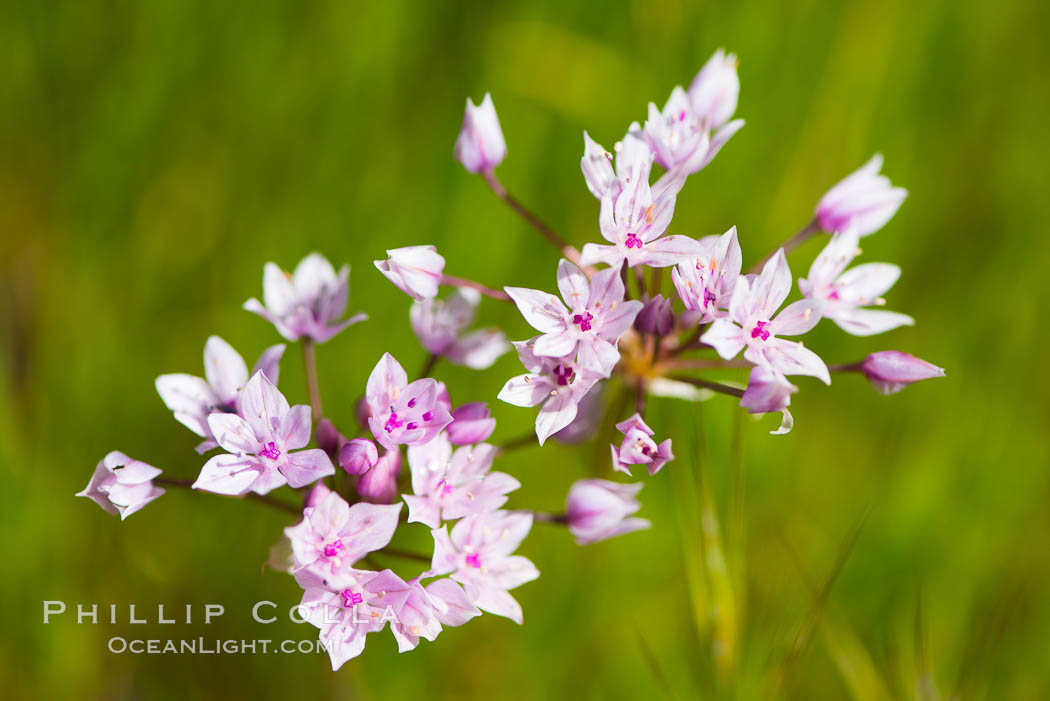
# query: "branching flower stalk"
654,346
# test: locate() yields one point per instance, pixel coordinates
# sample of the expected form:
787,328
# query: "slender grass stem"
725,626
736,527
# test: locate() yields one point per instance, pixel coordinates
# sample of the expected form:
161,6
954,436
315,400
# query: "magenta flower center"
564,375
332,549
350,598
709,297
760,331
633,241
270,451
583,321
473,560
392,423
834,296
444,488
427,416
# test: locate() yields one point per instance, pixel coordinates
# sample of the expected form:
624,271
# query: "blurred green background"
153,156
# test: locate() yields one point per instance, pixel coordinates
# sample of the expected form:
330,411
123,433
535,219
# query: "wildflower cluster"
608,320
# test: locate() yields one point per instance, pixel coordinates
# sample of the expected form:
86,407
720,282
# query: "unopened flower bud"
656,316
329,439
892,371
416,270
480,146
715,90
358,456
121,485
379,485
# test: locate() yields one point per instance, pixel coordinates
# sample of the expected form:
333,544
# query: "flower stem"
655,278
428,366
541,517
848,367
623,279
805,234
706,384
404,554
690,343
487,291
524,441
557,241
251,496
312,387
703,363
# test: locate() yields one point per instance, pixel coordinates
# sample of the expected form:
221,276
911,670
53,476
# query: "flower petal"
792,358
572,284
868,322
263,406
228,474
306,466
526,390
542,310
295,427
224,367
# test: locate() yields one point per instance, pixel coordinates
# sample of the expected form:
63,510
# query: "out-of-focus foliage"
153,156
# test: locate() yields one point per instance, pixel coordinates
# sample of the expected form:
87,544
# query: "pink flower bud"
362,411
862,202
121,485
892,371
599,509
415,270
471,423
358,456
715,90
656,316
329,439
379,485
480,146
